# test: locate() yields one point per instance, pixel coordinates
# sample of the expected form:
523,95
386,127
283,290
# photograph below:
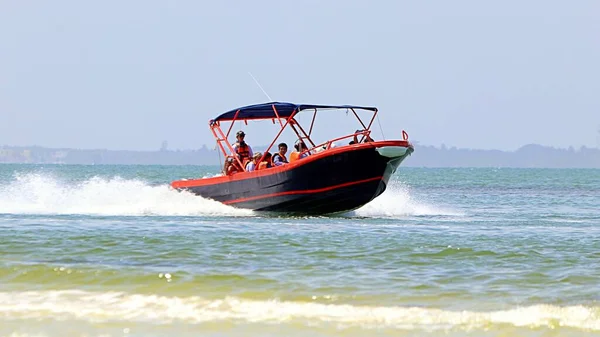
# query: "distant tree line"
40,155
534,156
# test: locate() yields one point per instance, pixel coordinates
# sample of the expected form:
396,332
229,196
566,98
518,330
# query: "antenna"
261,88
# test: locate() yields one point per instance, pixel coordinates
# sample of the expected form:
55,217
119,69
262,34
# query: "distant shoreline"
528,156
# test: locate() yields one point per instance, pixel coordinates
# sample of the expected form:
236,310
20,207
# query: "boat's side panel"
335,183
386,144
331,201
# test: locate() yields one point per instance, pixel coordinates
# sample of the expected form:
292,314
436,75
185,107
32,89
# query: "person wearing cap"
240,148
253,164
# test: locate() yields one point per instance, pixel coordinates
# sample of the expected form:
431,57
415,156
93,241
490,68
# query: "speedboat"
330,178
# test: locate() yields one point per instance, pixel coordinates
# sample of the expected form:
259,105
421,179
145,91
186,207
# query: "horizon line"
205,146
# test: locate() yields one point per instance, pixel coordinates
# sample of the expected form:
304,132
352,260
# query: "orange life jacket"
245,162
263,165
243,151
232,166
294,156
232,170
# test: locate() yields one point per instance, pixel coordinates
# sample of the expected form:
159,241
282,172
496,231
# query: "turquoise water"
112,251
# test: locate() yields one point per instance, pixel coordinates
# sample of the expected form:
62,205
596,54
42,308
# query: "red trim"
276,114
306,136
224,139
232,122
360,120
319,190
329,142
372,119
312,123
290,166
287,121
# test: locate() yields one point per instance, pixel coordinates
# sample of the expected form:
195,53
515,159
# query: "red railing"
327,145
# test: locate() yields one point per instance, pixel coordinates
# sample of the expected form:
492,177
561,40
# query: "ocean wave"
99,307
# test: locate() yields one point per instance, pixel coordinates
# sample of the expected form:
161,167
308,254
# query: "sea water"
113,251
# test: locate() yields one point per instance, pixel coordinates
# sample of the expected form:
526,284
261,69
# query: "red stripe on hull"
320,190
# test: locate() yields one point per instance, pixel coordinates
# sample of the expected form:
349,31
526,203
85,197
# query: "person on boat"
226,165
367,139
266,163
299,151
279,157
303,150
231,166
241,149
253,164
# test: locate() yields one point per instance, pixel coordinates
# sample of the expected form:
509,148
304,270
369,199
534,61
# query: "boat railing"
327,145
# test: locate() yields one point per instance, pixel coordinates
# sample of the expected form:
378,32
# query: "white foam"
123,307
36,193
397,201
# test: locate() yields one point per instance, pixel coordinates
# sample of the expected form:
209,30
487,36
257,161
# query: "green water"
112,251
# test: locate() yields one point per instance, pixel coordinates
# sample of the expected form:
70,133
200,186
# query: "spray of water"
398,202
40,193
36,193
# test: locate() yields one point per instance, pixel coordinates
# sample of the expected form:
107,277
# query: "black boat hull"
334,181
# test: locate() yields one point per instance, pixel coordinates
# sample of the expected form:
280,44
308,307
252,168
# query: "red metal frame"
306,136
216,126
360,120
372,119
365,133
293,123
276,114
232,122
288,120
313,122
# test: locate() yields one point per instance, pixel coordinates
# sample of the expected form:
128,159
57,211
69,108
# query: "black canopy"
265,110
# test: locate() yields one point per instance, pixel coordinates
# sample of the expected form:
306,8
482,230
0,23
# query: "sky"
128,75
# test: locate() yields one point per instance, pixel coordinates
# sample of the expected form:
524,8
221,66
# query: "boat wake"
35,193
397,202
40,193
